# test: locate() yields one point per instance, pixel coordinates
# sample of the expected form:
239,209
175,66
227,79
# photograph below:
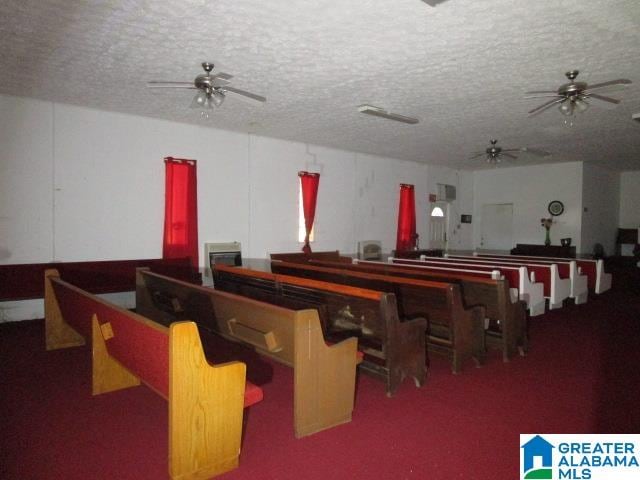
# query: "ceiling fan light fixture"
581,105
566,108
199,100
217,97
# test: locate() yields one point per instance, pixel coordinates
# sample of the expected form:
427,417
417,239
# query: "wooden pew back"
324,376
508,319
393,350
452,326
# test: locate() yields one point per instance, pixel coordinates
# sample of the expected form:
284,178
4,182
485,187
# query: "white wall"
600,208
629,200
79,184
530,189
459,235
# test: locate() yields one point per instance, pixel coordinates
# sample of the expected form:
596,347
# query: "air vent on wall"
446,193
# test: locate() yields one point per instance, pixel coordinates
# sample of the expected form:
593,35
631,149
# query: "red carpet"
581,376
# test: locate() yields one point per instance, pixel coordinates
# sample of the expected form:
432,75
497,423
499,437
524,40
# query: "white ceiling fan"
212,89
577,96
495,154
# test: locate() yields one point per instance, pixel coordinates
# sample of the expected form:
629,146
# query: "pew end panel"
405,347
324,377
603,279
205,408
579,284
58,333
468,329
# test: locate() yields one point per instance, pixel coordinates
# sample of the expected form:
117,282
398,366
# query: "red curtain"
180,210
406,239
309,183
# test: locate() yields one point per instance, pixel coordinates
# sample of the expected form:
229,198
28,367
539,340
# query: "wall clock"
555,208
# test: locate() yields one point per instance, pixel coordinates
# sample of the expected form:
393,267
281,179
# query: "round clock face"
556,208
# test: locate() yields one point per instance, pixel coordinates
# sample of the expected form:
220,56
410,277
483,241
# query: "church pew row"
532,293
598,280
507,328
393,350
565,279
453,328
324,376
578,288
301,257
555,288
205,402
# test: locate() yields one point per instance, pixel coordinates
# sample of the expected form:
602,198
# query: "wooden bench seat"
453,328
507,329
324,376
205,402
393,350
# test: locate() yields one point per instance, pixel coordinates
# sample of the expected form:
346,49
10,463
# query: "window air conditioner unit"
446,193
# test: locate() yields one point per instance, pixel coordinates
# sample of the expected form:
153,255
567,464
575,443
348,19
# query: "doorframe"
444,205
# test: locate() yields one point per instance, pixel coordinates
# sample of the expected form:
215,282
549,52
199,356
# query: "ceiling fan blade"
543,95
610,83
603,102
541,92
481,154
223,76
245,95
171,85
508,155
433,3
545,106
536,151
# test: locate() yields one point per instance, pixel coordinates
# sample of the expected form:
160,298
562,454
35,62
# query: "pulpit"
544,250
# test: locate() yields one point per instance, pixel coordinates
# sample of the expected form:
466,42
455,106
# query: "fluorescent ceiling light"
380,112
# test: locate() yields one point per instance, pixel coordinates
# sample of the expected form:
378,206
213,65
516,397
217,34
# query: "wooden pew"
205,402
392,349
567,268
324,376
532,293
556,280
555,288
598,280
507,329
453,329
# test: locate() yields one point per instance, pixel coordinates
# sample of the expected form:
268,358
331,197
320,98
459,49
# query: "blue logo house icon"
538,447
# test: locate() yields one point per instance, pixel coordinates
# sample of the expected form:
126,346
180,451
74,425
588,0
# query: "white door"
438,217
497,227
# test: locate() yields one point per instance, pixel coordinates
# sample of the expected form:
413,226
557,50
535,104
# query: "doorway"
438,220
497,227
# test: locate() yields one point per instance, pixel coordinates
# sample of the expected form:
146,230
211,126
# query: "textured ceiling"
461,68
